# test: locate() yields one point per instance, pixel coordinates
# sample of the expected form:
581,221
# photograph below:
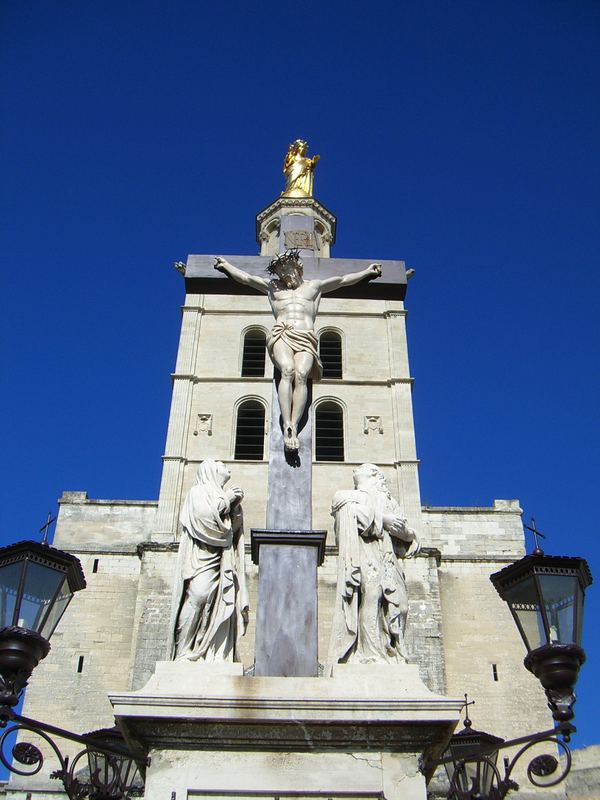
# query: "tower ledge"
299,222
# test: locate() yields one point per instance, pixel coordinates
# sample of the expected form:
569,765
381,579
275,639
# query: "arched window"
329,432
330,351
253,358
250,431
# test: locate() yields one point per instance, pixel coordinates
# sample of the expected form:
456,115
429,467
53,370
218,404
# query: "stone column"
289,492
171,485
286,616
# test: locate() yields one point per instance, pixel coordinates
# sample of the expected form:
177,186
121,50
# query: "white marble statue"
371,603
292,343
211,583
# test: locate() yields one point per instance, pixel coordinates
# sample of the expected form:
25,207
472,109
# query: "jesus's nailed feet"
290,439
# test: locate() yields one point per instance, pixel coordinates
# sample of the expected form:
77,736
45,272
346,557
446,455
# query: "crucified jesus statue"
292,343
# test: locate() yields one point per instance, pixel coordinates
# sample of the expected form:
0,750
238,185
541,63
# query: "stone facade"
584,779
376,382
460,635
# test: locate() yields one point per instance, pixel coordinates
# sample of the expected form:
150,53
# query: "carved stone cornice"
157,547
295,202
469,558
395,312
182,376
392,381
287,539
345,714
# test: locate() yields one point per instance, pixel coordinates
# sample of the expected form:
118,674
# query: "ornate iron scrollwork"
107,773
27,753
543,771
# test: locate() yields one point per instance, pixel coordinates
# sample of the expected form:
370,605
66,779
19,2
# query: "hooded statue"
211,599
371,603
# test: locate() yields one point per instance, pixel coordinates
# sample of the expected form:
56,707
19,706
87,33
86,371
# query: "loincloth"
298,342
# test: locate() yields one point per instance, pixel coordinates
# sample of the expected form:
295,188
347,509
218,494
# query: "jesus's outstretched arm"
255,281
331,284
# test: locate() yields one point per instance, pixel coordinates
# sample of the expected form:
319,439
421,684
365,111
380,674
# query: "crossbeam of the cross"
201,278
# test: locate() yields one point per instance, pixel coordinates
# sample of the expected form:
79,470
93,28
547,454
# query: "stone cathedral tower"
109,642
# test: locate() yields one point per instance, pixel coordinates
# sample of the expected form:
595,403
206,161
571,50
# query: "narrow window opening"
330,352
253,358
329,432
495,671
95,567
250,432
80,664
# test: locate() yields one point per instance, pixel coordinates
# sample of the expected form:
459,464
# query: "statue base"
286,615
404,677
355,735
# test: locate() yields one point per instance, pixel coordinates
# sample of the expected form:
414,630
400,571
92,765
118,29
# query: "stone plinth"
299,222
286,616
359,733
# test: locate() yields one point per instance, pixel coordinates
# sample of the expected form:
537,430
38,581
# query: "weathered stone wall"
98,626
472,531
91,651
483,653
583,783
152,635
102,525
424,637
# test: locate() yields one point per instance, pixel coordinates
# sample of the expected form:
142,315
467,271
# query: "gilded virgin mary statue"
298,170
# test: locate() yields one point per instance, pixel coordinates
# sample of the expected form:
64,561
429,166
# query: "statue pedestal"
357,734
286,614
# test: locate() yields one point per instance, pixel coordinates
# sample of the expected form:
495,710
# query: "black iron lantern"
545,595
37,583
111,776
470,761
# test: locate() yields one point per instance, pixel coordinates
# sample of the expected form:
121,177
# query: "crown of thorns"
290,257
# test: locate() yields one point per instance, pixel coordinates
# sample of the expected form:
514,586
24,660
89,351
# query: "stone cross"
288,551
46,527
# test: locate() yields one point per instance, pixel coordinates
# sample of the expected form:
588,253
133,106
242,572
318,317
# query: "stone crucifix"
292,343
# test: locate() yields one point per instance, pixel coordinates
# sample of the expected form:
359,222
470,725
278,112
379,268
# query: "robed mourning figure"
371,603
212,600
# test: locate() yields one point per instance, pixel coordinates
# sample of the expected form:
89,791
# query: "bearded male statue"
371,604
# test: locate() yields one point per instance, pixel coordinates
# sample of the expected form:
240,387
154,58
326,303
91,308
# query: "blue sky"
459,136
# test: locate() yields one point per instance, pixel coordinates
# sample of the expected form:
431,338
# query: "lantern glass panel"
469,777
473,776
560,595
104,772
112,775
42,585
579,614
63,598
524,603
10,576
476,775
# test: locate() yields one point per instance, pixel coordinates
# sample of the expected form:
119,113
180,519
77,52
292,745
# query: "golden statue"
298,170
